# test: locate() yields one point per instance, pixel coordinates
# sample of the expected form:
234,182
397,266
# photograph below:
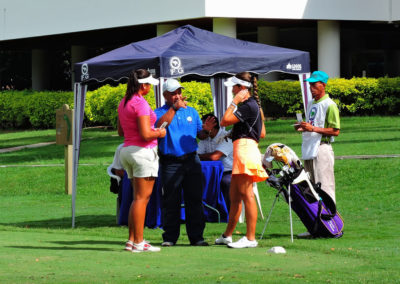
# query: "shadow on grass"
338,140
277,236
370,129
368,140
65,248
70,245
85,221
99,148
14,142
86,242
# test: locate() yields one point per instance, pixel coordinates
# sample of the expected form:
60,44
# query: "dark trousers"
186,175
225,185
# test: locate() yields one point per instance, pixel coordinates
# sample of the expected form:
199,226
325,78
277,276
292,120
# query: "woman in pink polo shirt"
139,153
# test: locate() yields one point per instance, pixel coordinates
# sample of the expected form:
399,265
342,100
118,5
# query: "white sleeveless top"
316,114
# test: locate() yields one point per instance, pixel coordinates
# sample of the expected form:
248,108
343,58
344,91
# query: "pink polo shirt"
128,117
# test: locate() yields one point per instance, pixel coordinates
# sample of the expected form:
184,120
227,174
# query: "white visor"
149,80
232,81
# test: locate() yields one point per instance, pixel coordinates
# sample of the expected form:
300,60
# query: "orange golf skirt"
247,160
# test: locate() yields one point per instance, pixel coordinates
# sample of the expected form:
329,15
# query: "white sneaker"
129,245
223,241
144,246
304,235
243,243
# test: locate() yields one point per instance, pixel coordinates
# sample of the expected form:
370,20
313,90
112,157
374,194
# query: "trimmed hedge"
356,96
28,109
102,104
366,96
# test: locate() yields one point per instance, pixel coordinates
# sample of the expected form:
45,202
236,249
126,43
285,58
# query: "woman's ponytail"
133,84
254,82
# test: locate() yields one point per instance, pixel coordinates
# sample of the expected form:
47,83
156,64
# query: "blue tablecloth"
212,196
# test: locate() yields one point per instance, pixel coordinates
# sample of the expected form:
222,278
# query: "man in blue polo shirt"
180,165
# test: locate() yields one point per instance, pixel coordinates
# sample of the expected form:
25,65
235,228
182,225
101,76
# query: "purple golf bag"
319,215
312,204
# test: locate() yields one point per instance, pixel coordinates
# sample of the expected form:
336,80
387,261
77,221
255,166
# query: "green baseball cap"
318,76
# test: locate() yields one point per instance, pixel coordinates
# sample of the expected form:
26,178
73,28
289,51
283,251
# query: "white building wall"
395,10
361,10
31,18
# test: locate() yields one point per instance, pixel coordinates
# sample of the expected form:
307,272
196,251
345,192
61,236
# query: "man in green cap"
321,125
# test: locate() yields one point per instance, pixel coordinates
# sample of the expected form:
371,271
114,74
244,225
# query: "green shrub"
366,96
102,104
199,96
28,109
280,98
356,96
42,107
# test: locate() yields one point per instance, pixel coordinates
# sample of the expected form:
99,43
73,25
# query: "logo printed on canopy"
293,67
176,68
85,72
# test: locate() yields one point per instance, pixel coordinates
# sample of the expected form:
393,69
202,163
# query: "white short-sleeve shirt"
218,143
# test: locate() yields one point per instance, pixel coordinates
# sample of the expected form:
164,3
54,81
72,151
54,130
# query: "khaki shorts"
321,169
139,161
247,160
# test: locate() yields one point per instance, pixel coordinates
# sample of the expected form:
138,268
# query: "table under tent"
184,51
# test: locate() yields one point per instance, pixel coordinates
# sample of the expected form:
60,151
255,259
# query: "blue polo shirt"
181,133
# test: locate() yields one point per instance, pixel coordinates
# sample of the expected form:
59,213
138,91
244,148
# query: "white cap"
232,81
171,85
149,80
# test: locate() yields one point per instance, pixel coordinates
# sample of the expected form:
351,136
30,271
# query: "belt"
172,158
326,140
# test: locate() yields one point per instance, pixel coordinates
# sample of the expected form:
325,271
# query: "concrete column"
79,53
225,26
268,35
162,29
40,70
329,47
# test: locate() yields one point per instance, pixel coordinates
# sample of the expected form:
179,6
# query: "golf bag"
315,207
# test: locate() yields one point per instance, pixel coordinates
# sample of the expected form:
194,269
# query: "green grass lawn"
19,138
37,243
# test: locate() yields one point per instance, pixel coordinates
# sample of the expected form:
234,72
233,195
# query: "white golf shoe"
243,243
223,240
